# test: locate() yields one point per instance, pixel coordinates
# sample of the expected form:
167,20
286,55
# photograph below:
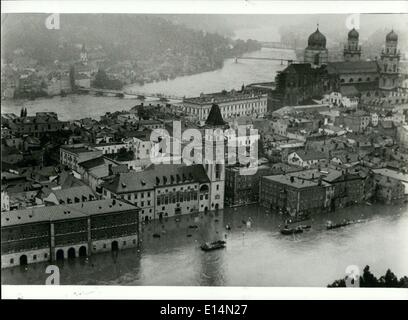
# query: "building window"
124,243
34,257
11,261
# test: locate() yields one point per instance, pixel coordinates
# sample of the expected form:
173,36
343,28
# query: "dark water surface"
255,256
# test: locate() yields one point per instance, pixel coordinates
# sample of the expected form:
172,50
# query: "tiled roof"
342,67
293,181
156,176
61,212
310,155
73,192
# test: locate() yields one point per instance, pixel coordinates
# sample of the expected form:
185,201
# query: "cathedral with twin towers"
373,80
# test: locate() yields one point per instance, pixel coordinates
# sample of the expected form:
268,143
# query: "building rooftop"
62,212
156,176
222,97
352,67
294,181
73,192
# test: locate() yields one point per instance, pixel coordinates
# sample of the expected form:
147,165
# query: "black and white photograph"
238,149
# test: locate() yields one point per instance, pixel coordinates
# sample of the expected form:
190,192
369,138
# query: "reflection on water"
255,256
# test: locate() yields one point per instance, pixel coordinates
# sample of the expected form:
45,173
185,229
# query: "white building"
232,104
5,201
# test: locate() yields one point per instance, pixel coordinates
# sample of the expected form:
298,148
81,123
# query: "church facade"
353,77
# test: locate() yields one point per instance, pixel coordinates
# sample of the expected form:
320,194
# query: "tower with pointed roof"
352,50
84,55
214,145
390,57
316,53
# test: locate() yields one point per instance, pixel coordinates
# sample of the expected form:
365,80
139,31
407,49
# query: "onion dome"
316,40
392,36
353,34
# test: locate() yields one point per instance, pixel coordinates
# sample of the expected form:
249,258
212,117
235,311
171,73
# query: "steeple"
215,117
390,57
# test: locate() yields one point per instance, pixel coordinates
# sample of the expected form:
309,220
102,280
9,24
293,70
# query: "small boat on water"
288,231
219,244
330,225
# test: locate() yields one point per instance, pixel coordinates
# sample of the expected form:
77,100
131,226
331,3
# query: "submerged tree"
368,280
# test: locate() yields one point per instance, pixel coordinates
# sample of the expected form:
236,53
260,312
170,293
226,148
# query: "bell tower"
352,50
389,66
214,160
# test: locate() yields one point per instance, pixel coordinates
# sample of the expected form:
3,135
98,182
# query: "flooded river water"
255,256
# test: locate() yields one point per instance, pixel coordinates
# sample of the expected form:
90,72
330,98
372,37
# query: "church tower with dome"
389,65
316,53
352,50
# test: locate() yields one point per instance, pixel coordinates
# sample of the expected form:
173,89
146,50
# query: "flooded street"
256,255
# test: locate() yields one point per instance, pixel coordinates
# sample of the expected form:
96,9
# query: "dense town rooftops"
222,97
62,212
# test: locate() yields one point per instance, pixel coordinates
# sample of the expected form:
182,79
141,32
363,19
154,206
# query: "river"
231,76
255,256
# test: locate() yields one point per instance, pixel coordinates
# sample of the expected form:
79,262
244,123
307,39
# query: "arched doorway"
82,251
71,253
23,260
146,219
115,246
60,254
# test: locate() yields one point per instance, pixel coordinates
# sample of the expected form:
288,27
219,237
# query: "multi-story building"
232,104
67,231
390,185
357,121
295,195
170,189
242,188
72,154
348,186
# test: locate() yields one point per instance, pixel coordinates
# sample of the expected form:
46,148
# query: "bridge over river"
129,92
